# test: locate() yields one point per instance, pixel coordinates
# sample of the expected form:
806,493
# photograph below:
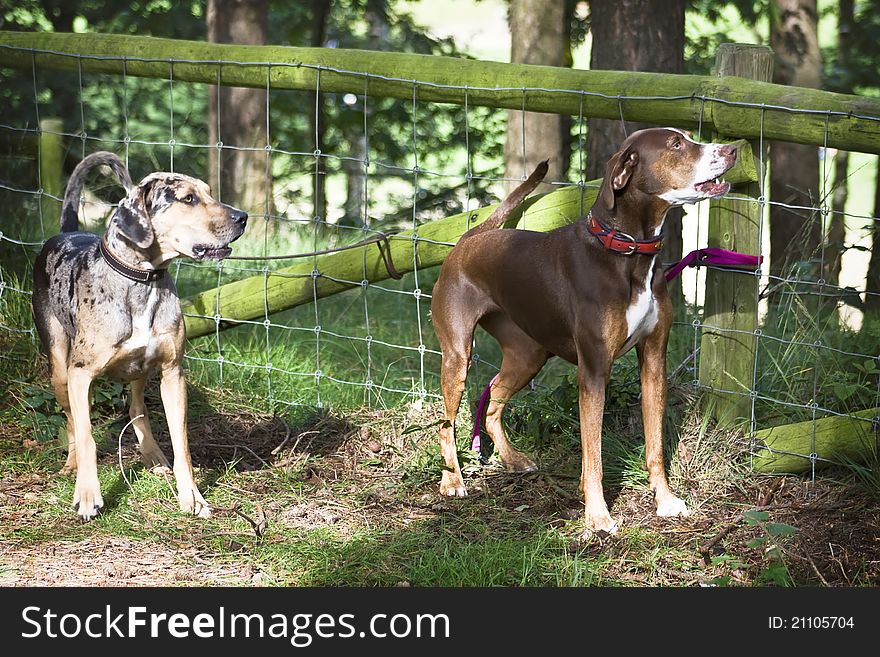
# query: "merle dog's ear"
617,174
133,215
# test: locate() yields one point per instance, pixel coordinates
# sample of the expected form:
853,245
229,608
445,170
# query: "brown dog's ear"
133,215
617,174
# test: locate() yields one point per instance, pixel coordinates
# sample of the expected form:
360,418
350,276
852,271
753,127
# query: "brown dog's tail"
502,212
69,211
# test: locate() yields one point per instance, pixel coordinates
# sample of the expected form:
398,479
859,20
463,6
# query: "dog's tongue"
713,187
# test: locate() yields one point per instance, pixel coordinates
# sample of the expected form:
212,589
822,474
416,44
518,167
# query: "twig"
816,570
244,447
283,442
259,525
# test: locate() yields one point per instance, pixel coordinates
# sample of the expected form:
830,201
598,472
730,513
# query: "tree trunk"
239,177
872,298
795,234
378,27
631,35
537,37
837,225
320,12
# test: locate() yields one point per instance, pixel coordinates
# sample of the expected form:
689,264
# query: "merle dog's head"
175,215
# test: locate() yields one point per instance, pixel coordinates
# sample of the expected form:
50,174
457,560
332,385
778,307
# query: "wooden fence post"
51,172
730,314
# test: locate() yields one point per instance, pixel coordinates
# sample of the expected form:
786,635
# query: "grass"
349,490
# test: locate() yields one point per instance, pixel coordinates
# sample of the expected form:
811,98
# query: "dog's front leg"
652,362
591,404
173,389
87,500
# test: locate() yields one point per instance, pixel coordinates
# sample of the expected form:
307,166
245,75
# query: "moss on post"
730,315
51,157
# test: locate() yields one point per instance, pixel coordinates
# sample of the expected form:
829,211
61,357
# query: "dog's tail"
502,212
69,210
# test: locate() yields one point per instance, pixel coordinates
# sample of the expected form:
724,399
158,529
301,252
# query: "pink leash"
480,415
707,256
712,256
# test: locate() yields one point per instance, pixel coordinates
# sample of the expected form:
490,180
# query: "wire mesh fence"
814,354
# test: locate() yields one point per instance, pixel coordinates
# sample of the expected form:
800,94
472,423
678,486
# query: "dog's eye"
676,145
188,199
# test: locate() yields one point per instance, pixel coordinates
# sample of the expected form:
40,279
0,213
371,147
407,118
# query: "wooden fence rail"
727,105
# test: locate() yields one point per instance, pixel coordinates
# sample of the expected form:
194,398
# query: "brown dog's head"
174,215
668,164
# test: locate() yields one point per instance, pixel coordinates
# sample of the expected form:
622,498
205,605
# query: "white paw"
155,461
87,500
600,523
452,485
672,506
192,503
453,491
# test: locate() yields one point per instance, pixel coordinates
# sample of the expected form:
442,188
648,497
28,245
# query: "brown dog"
105,305
587,292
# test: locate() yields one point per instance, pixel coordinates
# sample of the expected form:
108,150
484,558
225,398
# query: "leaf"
781,529
755,517
522,507
776,573
757,542
844,391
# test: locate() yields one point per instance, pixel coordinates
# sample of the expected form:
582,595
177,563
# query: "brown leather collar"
620,242
131,273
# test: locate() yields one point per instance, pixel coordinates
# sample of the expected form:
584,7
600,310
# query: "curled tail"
502,212
69,211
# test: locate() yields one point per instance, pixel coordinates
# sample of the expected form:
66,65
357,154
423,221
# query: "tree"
631,35
837,226
795,233
537,36
317,36
237,116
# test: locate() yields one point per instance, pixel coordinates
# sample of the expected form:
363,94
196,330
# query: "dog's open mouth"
713,187
210,252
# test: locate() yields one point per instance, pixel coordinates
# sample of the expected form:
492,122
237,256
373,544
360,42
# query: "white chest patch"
142,335
641,315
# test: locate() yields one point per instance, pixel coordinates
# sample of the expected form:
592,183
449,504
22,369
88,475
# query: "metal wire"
405,336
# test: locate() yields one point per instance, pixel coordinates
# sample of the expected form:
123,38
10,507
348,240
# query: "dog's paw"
600,523
672,506
155,461
519,463
192,503
87,500
68,468
452,485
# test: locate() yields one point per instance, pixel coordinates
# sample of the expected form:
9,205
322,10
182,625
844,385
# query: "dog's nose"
728,150
239,217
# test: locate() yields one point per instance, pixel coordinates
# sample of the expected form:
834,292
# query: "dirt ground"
837,542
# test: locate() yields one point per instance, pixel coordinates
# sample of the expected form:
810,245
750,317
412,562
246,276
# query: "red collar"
620,242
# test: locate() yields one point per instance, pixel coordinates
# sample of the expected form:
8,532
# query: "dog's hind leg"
58,368
151,454
87,500
453,372
173,388
454,327
522,359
